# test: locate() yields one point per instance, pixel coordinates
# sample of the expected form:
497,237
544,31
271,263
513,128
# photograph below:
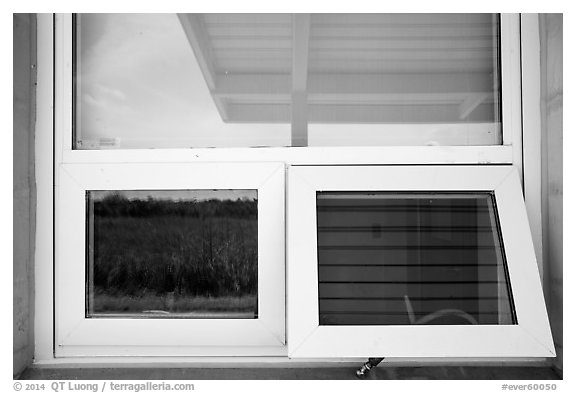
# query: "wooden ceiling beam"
199,41
300,50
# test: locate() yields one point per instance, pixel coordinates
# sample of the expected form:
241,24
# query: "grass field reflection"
191,255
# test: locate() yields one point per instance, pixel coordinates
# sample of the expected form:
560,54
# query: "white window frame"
531,335
79,336
54,147
507,153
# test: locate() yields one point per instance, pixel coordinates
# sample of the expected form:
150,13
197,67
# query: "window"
170,259
412,261
175,119
427,258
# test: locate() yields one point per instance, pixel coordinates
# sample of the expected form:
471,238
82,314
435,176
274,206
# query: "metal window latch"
363,371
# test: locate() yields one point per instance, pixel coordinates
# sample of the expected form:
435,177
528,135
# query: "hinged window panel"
412,261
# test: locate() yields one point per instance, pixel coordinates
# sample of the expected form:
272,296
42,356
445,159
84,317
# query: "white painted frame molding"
531,337
354,155
44,167
77,335
54,148
532,131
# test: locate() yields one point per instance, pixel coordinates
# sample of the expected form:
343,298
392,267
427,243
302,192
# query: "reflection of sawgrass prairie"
174,256
105,303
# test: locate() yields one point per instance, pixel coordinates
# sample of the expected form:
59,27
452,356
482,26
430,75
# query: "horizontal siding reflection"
362,290
447,273
376,237
399,305
388,259
403,256
404,319
329,218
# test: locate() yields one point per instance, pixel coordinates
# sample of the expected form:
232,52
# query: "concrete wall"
552,188
24,58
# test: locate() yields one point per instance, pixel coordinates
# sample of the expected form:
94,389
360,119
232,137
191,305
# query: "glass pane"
160,81
404,79
411,258
247,80
172,254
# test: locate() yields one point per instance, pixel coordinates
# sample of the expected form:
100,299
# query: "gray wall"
24,58
552,188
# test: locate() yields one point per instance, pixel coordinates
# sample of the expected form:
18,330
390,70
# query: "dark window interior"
411,258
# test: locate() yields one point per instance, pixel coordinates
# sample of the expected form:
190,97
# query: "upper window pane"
247,80
140,83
